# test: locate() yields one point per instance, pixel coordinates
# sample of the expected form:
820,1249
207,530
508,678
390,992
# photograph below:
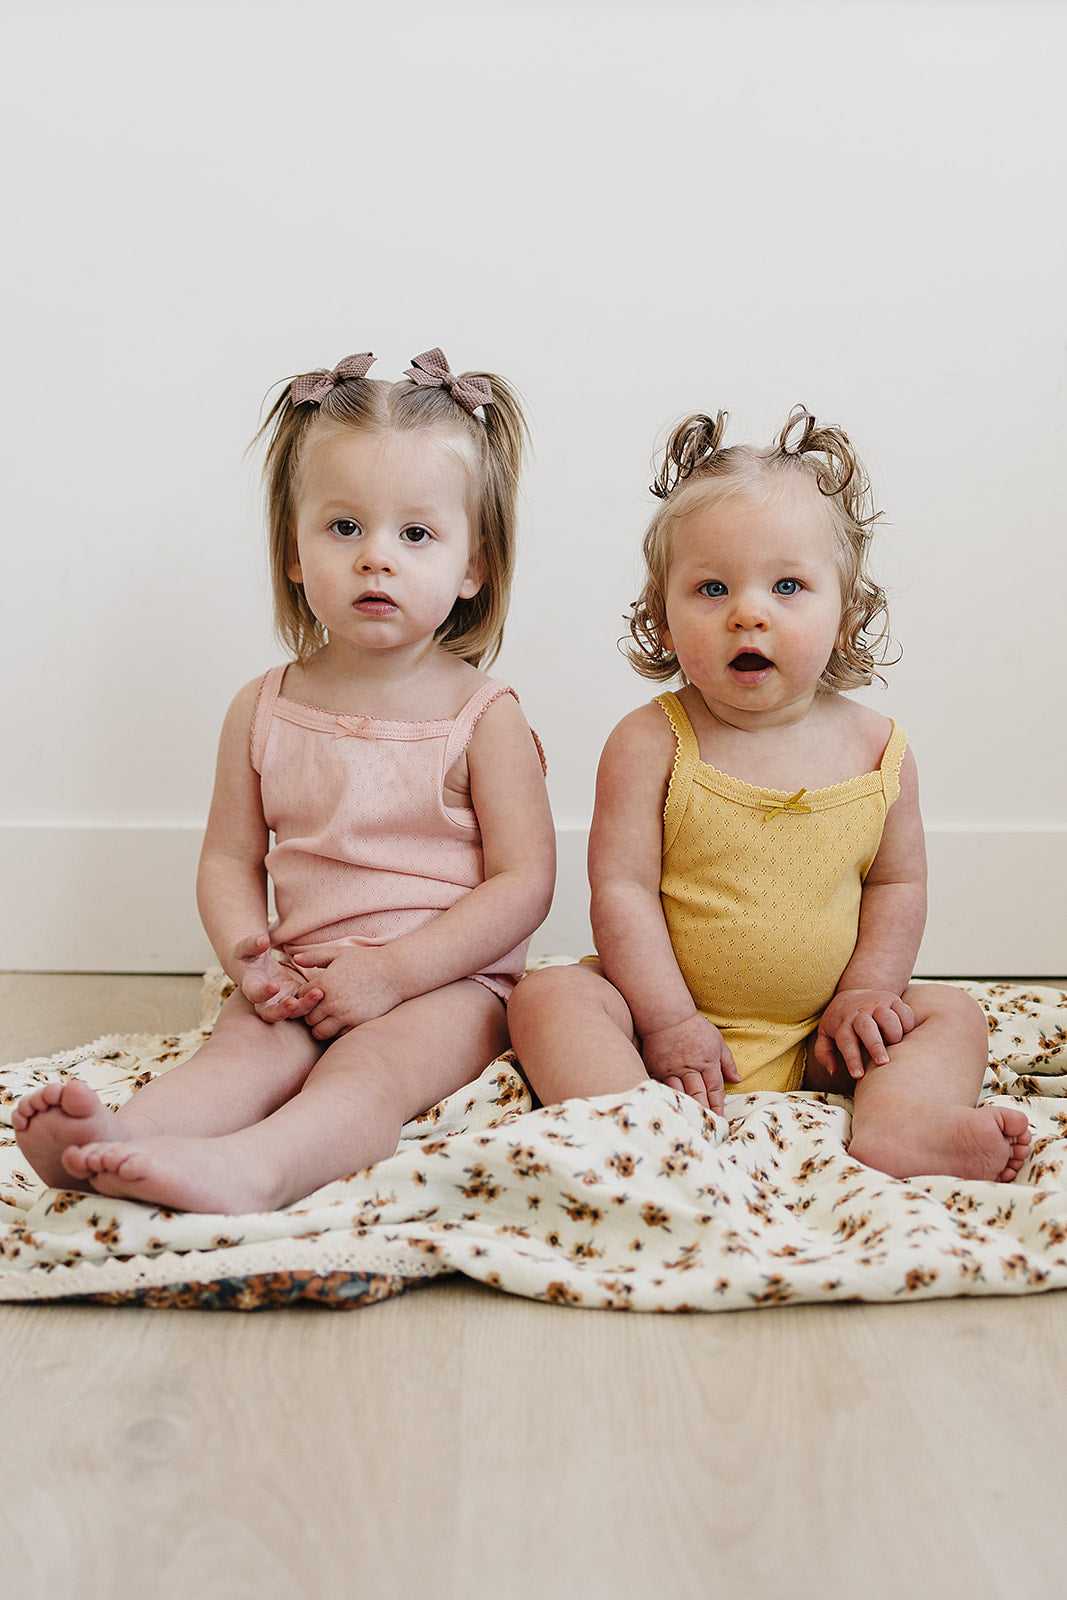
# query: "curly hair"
491,447
697,470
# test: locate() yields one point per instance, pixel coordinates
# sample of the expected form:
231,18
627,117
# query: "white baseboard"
120,899
92,899
998,904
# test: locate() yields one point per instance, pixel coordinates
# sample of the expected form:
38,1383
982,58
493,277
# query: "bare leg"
240,1074
917,1114
347,1115
573,1034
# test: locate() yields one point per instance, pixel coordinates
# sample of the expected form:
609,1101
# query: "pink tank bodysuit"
365,848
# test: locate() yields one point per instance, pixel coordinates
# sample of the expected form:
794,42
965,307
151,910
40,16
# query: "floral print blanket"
637,1202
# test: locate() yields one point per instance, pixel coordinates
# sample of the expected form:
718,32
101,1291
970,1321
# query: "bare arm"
679,1045
519,860
867,1011
231,884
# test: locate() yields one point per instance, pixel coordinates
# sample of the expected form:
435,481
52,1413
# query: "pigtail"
475,628
506,430
297,627
826,453
838,472
690,448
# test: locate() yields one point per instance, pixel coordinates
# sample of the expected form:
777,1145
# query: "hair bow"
313,387
432,370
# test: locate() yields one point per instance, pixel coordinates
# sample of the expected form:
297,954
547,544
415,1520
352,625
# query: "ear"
293,572
475,577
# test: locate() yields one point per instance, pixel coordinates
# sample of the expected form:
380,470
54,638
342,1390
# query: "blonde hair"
493,447
697,470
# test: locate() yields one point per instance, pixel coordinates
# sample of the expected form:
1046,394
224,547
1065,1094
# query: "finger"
276,1009
314,956
849,1051
674,1082
825,1053
713,1089
306,1002
260,991
889,1024
326,1030
693,1084
870,1035
728,1065
905,1013
255,945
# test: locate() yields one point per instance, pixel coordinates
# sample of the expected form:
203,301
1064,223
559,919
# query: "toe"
74,1159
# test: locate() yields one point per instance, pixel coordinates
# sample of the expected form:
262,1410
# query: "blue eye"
713,589
787,586
416,534
345,528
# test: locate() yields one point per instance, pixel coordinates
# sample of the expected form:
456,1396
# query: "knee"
953,1008
557,995
537,996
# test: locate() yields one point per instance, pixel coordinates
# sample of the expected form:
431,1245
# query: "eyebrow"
350,507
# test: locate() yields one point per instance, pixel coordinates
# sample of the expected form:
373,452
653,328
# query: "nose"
375,553
748,613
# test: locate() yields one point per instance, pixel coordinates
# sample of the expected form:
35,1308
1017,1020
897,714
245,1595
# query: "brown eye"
345,528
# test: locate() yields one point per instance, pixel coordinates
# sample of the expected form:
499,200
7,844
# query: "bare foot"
186,1174
54,1117
985,1143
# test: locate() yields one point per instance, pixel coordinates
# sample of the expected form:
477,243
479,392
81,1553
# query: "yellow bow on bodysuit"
792,804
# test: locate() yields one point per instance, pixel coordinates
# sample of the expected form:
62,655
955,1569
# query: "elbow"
544,891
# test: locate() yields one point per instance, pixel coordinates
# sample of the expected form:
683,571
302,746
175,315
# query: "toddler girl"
756,854
413,852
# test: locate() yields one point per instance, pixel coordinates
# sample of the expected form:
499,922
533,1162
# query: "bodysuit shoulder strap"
686,758
892,756
270,686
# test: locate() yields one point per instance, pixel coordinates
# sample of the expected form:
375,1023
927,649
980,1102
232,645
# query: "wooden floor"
461,1443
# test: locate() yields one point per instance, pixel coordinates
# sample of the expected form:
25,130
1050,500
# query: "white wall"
632,209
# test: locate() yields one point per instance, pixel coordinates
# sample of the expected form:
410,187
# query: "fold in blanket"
637,1202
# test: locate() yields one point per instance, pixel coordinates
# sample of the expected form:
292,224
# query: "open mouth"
750,661
374,602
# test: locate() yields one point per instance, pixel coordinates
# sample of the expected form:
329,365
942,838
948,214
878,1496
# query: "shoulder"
496,705
866,731
242,708
642,734
244,701
878,744
638,758
500,730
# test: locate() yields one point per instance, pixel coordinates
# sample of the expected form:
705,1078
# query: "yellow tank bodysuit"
761,892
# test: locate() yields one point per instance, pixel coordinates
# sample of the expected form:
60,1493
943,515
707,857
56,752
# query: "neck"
420,683
738,720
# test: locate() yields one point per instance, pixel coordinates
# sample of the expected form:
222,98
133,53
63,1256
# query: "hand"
277,994
859,1020
355,985
693,1057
